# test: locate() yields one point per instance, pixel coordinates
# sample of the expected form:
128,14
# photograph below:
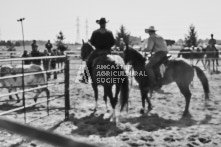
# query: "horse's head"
86,49
132,55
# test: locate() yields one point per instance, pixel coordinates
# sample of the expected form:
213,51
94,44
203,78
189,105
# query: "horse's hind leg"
145,97
10,96
184,89
213,66
108,90
105,100
94,86
39,91
18,98
117,91
47,92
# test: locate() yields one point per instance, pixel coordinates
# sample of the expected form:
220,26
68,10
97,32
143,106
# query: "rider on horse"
212,41
102,39
156,45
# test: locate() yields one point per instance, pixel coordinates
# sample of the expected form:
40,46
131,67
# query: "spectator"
46,64
49,46
36,53
33,45
54,62
24,55
122,44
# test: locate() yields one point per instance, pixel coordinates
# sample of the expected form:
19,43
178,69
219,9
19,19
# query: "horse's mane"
86,49
137,57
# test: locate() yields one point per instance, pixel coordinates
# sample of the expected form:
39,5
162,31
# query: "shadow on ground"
95,125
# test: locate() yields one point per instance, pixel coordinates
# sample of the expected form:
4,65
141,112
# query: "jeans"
155,59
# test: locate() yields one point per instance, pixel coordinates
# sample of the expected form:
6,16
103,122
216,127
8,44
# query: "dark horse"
108,70
212,54
177,70
190,54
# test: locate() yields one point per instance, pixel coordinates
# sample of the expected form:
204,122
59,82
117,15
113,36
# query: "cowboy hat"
151,28
101,21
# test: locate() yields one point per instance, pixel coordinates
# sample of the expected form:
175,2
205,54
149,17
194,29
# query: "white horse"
32,80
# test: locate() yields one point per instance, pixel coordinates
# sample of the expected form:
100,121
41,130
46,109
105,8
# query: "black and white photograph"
110,73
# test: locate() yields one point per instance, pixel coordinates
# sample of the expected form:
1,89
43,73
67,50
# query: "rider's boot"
154,84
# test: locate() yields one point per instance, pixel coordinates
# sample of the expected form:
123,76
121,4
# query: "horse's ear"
83,41
127,47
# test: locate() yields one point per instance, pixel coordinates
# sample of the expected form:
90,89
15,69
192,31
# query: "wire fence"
23,74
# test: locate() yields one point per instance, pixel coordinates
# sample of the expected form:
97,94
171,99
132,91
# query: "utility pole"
78,30
21,20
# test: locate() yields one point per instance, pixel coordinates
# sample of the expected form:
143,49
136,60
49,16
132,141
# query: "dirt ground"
162,127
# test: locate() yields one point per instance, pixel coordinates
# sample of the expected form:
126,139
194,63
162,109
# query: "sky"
45,18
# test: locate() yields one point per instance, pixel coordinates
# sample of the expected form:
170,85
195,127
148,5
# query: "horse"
190,54
212,54
108,70
33,80
176,70
60,61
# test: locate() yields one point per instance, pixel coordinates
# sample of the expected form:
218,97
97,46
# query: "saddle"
97,58
159,69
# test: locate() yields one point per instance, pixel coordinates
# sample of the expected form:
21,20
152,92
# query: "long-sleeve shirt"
212,42
102,39
156,43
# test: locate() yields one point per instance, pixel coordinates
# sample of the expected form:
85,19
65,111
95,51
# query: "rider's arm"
149,45
112,40
92,40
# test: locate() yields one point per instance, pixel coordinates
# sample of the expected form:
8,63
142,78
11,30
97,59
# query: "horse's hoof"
150,108
142,111
96,114
35,99
186,115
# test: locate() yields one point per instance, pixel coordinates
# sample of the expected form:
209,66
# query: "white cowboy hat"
151,28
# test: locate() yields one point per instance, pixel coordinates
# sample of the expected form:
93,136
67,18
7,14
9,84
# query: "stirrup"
83,81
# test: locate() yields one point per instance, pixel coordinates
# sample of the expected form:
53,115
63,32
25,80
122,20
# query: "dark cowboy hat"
101,21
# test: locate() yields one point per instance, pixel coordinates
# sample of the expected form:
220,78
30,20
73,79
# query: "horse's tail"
124,91
203,80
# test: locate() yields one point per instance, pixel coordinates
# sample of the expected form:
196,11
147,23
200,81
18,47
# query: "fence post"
66,86
23,88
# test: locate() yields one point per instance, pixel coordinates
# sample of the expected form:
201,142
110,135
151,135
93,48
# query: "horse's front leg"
143,97
150,107
105,100
94,85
